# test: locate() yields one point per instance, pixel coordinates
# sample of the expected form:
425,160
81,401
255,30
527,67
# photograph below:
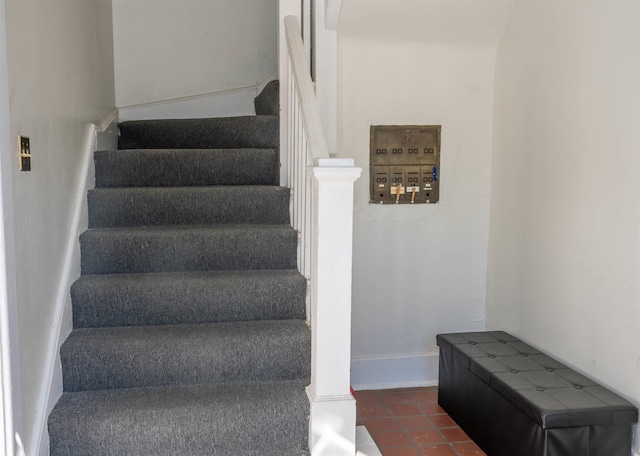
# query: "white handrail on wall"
322,213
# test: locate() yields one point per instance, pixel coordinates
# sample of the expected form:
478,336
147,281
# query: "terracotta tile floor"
409,422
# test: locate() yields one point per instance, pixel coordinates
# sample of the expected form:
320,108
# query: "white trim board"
332,11
400,371
260,87
365,445
223,103
237,102
61,326
9,387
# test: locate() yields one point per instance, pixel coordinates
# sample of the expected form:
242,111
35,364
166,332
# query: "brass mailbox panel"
405,164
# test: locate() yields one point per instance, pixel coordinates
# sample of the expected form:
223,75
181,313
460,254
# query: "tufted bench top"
548,392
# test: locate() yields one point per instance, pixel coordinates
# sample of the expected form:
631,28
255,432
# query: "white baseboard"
105,123
223,103
266,81
61,326
401,371
229,103
106,137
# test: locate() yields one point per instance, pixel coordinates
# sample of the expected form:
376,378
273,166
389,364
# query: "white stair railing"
322,213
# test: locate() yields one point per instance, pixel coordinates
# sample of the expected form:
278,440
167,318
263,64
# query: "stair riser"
184,168
119,251
157,299
220,133
128,207
172,439
186,354
183,421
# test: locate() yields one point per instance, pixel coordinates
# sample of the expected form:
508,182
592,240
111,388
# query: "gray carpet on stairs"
187,248
135,356
252,419
189,332
181,297
219,133
145,206
268,102
196,167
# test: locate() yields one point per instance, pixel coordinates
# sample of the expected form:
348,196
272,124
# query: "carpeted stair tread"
186,167
193,297
187,248
146,206
214,133
189,323
249,419
138,356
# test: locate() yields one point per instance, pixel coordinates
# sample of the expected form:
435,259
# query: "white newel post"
333,409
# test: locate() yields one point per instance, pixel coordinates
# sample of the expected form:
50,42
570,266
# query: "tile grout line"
437,428
413,402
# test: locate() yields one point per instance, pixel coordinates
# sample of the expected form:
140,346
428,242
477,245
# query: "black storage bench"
513,400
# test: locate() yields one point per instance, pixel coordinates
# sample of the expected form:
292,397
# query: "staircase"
189,318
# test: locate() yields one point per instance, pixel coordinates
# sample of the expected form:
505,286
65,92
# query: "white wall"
418,270
168,49
9,378
60,62
564,250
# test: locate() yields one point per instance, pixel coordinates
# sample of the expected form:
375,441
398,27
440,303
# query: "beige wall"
167,49
60,65
418,270
563,269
